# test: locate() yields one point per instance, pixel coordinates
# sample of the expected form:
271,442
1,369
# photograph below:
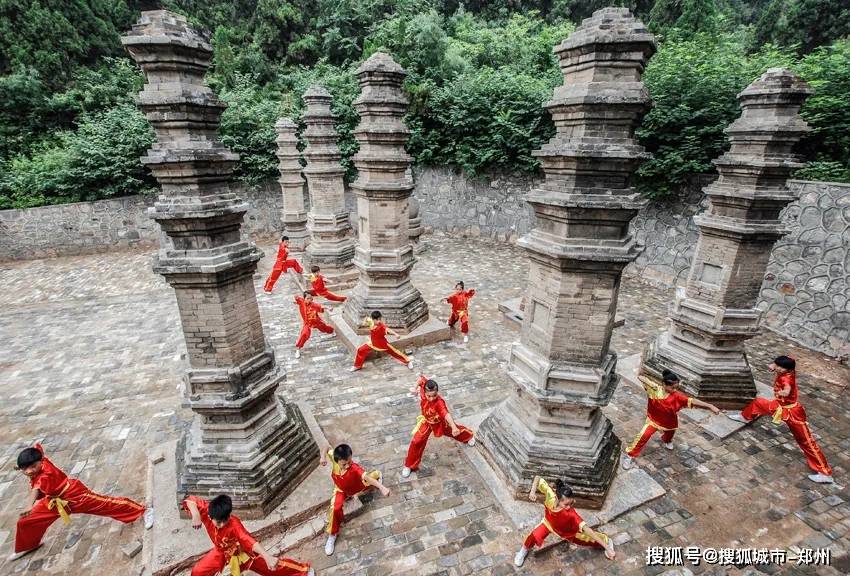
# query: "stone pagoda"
243,440
294,214
563,370
331,244
384,254
715,314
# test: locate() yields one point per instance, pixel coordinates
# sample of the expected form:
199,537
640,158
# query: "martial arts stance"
785,408
663,402
53,495
281,264
562,519
378,341
435,418
349,480
317,281
233,545
310,315
460,308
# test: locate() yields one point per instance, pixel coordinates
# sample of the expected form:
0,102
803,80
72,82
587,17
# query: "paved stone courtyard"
91,366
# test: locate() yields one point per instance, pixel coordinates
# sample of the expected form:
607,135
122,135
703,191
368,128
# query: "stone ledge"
511,310
720,425
172,546
629,490
430,332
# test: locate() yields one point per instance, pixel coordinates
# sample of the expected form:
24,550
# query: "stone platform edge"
430,332
172,546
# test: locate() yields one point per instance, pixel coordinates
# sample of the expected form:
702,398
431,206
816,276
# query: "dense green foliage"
478,76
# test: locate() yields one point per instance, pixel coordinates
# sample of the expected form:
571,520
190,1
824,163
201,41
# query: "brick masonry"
804,294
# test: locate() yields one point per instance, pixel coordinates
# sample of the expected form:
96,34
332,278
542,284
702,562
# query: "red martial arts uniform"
310,315
233,545
661,414
460,309
319,289
787,409
378,342
565,523
345,486
281,265
62,497
432,419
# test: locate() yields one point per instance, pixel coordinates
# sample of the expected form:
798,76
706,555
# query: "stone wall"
805,294
490,207
105,225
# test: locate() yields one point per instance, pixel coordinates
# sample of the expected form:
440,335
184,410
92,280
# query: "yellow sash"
60,505
777,414
419,420
236,562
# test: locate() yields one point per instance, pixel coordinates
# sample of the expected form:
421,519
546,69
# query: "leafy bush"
694,83
99,160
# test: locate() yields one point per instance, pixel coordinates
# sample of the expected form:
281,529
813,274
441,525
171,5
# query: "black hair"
220,508
786,362
460,283
284,238
28,457
308,293
376,315
342,452
669,377
314,268
431,385
562,489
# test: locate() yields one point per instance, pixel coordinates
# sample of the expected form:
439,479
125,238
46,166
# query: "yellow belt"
60,505
236,562
777,414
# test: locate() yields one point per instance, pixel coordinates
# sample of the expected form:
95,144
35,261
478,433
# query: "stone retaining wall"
806,293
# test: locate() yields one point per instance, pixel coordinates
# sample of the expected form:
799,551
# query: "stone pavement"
91,365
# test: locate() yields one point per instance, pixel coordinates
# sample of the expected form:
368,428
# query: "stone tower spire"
564,372
240,442
294,214
715,313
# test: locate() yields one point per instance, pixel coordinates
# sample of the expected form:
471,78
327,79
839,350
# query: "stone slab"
172,545
629,490
429,332
720,425
511,310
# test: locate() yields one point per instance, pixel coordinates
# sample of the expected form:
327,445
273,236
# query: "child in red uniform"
233,545
785,408
460,308
562,519
53,495
310,316
663,402
435,418
349,480
378,341
317,281
282,264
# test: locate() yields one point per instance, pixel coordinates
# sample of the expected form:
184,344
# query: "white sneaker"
471,441
628,461
821,478
329,545
405,472
298,352
16,555
148,518
520,556
668,445
409,364
465,338
311,572
353,369
737,417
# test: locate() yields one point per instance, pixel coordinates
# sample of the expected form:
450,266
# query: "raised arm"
323,455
